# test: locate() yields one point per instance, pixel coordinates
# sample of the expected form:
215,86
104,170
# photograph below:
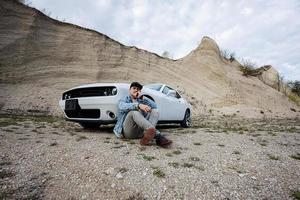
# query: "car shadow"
110,128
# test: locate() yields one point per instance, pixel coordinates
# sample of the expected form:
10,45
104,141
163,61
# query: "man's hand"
145,107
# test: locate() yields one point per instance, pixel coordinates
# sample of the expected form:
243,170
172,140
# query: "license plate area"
71,105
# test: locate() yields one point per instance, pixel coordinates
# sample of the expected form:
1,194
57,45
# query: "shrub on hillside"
248,68
226,54
295,87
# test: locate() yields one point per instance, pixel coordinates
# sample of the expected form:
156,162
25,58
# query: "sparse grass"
38,127
6,194
255,134
123,170
296,195
131,142
272,133
56,133
148,158
142,148
197,143
295,156
8,122
118,146
236,152
283,144
72,134
201,168
188,165
177,152
159,173
6,174
294,97
13,119
215,182
237,169
53,144
273,157
81,137
26,126
263,142
3,163
194,159
174,164
291,129
22,138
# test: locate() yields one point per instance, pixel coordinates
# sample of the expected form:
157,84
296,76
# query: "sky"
261,31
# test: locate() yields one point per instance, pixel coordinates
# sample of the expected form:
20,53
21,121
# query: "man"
137,118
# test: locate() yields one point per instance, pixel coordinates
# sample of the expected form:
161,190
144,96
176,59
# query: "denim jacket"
126,105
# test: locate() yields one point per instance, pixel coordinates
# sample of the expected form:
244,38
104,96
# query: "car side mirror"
171,93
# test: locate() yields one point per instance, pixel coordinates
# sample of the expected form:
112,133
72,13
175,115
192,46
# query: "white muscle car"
94,104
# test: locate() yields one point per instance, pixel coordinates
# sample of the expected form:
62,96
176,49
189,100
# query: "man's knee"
155,112
133,113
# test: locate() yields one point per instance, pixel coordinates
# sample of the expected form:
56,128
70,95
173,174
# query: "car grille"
90,92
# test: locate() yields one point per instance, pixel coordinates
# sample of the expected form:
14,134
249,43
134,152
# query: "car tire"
89,125
187,121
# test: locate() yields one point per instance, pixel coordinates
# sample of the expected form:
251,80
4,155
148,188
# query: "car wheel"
89,125
187,120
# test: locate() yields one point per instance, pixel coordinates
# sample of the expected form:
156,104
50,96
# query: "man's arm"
149,102
125,107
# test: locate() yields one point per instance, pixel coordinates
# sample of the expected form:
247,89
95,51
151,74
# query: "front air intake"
90,92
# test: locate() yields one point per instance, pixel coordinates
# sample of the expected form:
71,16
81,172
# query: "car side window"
166,90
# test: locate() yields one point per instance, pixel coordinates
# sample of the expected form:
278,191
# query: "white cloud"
247,11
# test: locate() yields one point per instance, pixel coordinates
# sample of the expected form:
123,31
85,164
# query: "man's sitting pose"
137,118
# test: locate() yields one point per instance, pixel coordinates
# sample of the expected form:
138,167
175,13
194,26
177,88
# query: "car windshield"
154,86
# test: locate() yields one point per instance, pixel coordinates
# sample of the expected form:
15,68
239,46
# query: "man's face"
134,92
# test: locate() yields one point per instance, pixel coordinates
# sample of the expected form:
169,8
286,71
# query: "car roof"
119,85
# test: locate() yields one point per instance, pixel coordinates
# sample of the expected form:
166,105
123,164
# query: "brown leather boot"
148,136
162,141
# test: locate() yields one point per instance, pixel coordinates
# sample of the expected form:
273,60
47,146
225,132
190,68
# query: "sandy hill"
41,57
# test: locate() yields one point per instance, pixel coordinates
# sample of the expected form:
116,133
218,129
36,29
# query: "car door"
172,107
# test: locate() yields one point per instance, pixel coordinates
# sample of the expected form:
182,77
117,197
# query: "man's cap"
136,84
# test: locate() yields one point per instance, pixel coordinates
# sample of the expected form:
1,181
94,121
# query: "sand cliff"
41,57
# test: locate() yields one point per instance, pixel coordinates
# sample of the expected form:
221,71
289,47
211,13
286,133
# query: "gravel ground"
48,158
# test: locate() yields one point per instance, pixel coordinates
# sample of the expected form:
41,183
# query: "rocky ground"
48,158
